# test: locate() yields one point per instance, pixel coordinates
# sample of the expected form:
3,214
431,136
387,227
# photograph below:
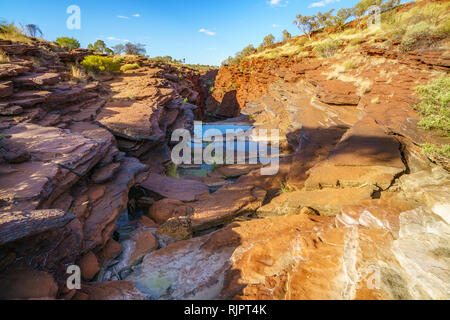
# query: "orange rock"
166,209
27,284
111,251
89,266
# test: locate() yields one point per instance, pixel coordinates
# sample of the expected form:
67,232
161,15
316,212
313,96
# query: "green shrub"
68,43
327,48
129,66
349,65
414,34
435,105
356,41
100,64
119,59
430,149
172,171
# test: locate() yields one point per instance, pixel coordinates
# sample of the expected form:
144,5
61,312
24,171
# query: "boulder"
141,243
89,266
226,204
23,284
177,189
165,209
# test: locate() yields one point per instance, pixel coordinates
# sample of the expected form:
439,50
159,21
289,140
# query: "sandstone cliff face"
69,154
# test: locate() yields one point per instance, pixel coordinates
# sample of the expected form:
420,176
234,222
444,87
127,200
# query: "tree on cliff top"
136,49
118,49
286,36
307,24
33,31
268,41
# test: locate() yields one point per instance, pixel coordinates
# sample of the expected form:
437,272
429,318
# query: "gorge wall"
356,211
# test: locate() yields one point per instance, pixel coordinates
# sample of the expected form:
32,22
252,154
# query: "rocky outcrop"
305,257
67,165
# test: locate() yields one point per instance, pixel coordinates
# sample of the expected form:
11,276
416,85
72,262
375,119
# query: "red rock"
37,79
106,173
11,70
365,156
177,189
111,251
226,204
6,89
147,223
163,210
134,249
59,160
11,111
337,92
19,225
27,284
116,290
89,266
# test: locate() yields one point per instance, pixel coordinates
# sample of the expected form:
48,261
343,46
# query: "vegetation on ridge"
415,25
435,111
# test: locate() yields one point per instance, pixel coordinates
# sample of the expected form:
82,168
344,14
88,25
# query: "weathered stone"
177,189
19,225
37,79
366,156
27,284
226,204
89,266
134,249
177,228
165,209
115,290
6,89
327,202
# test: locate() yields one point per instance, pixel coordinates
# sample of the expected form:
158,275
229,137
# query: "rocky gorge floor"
356,211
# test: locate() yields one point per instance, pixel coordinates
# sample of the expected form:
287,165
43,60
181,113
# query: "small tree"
119,49
135,49
286,36
325,20
33,31
341,18
98,46
109,52
306,24
68,43
390,4
362,7
268,41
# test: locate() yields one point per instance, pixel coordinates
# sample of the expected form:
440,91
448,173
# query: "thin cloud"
275,25
206,31
278,3
117,39
322,3
123,17
137,15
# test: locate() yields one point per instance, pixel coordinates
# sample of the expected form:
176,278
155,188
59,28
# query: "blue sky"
204,32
